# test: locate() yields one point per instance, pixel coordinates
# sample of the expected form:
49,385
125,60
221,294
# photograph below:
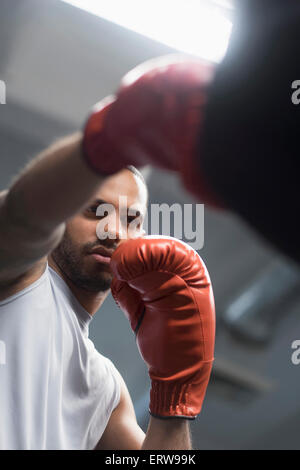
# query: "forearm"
52,188
167,434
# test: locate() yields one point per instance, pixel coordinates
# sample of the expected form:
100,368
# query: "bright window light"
189,26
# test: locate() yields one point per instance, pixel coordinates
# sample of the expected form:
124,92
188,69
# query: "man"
57,391
80,281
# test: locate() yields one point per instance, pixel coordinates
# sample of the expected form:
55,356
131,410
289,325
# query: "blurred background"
57,61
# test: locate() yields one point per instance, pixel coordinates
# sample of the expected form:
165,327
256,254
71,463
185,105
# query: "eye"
92,210
131,218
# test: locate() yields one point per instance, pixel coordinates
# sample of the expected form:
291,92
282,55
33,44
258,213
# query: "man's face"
75,255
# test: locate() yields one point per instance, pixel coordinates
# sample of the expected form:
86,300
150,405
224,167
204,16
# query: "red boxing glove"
164,289
156,118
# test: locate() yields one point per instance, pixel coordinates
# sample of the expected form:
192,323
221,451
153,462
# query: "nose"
112,227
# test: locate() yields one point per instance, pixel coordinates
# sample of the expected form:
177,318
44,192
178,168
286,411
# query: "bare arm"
52,188
124,433
167,434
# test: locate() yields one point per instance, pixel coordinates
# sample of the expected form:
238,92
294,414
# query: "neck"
90,301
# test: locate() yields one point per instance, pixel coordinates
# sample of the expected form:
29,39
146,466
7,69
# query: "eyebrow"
98,202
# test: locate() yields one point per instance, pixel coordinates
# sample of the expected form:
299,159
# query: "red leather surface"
155,118
164,282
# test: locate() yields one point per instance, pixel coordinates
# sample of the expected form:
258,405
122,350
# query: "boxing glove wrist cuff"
96,149
171,400
172,417
99,150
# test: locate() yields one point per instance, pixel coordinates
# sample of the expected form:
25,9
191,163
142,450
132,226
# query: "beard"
71,262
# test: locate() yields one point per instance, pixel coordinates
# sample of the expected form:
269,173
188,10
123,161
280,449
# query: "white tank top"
56,390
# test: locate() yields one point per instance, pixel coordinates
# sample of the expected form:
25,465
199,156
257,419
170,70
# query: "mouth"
102,255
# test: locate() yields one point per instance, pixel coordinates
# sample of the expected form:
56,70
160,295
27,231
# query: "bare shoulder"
12,287
122,431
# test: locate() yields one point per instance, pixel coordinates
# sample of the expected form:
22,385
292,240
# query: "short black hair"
134,170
